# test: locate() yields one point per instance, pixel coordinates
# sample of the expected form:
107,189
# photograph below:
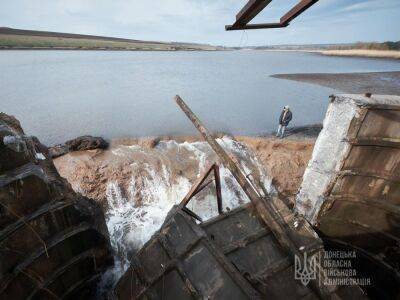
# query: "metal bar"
195,187
255,26
218,189
254,7
203,187
269,215
297,10
192,214
249,11
264,207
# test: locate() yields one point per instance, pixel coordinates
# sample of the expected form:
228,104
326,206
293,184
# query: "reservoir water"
58,95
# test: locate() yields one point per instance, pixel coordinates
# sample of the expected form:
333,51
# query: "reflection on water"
59,95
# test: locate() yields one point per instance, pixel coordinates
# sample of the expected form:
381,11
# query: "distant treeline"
368,46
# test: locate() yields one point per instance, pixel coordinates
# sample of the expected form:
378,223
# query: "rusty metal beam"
197,186
268,213
256,26
218,189
249,11
265,207
302,6
294,240
254,7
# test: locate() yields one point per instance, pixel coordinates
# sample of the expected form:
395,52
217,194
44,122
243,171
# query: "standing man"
284,119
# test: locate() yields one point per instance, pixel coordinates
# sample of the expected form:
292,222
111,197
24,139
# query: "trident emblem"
306,270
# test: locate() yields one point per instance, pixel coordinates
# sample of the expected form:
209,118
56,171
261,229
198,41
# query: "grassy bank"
24,39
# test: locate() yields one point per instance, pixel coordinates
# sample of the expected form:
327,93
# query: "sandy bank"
392,54
386,83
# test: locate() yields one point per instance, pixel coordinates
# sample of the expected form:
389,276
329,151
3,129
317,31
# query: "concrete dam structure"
54,243
351,187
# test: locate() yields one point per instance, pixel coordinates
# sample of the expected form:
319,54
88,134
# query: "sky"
203,21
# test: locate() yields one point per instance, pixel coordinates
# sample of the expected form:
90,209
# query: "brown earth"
284,159
89,171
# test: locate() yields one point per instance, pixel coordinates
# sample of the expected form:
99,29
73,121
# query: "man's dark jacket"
285,118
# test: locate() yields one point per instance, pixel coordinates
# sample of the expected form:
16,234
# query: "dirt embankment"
284,159
90,171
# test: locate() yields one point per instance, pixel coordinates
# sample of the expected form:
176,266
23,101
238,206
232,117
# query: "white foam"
133,218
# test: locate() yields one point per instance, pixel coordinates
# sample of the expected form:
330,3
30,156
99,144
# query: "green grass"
24,41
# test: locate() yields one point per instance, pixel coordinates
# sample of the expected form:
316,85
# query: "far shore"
386,54
385,83
392,54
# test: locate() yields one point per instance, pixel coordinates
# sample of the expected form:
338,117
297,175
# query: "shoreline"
353,83
90,171
3,48
353,53
384,54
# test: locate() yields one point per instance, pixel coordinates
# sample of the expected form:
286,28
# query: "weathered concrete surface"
54,243
351,187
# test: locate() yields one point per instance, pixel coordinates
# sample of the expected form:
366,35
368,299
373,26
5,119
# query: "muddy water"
138,183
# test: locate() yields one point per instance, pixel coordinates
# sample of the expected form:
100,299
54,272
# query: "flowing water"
139,185
58,95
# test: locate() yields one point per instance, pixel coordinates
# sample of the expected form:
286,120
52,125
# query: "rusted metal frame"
172,263
356,124
218,189
372,231
83,282
192,214
29,169
185,278
370,256
199,186
375,141
250,11
379,175
245,241
57,273
202,238
354,129
254,7
218,218
59,238
204,186
302,6
275,268
168,267
263,206
223,260
232,271
44,209
194,189
256,26
380,204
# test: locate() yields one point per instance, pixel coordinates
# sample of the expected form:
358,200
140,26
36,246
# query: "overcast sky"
203,21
